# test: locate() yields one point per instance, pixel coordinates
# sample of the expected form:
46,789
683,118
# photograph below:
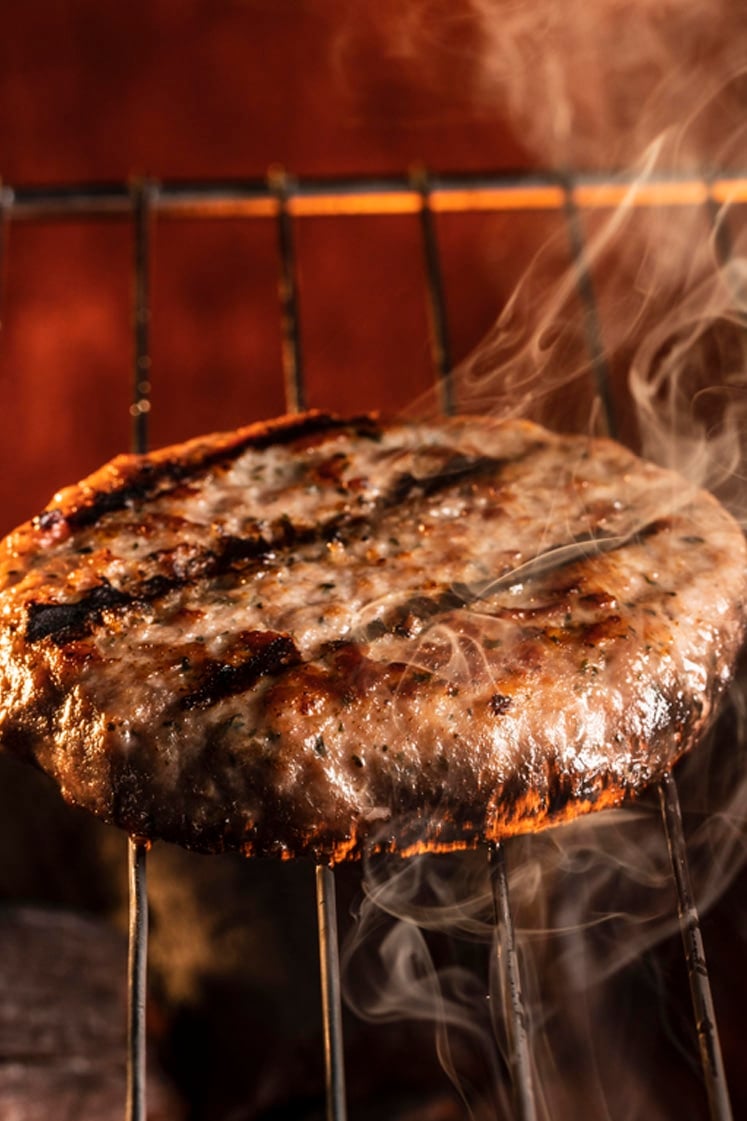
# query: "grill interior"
425,199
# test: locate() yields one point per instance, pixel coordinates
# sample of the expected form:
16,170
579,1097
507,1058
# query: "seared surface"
303,636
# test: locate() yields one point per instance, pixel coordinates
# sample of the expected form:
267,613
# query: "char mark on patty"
254,654
458,468
66,622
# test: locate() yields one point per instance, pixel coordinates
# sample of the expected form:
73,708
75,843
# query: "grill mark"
421,607
156,480
67,622
457,469
64,622
257,654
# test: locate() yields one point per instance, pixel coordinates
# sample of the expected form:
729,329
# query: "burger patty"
315,634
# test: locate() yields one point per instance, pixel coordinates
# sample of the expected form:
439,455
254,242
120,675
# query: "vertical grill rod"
295,395
329,959
440,345
142,194
137,958
137,961
326,903
700,984
585,285
519,1053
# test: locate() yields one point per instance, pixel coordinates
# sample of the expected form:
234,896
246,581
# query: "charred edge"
153,479
266,653
49,519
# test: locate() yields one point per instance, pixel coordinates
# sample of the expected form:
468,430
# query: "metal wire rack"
284,200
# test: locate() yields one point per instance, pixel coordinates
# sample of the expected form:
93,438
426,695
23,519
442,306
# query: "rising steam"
652,92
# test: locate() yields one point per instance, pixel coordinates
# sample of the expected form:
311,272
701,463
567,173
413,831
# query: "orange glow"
221,208
420,848
527,197
462,200
686,192
529,814
373,202
729,190
345,849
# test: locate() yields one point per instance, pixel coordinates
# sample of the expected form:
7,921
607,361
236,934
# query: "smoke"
669,303
643,332
582,85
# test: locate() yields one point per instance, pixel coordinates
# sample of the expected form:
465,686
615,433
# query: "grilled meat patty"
315,633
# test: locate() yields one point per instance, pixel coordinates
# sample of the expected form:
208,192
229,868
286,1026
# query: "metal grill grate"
282,200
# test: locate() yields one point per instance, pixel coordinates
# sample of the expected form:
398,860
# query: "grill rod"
295,393
440,346
143,192
692,938
519,1052
137,955
329,960
137,961
592,326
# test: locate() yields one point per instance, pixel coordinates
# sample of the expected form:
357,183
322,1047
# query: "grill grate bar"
137,964
295,396
329,960
501,191
142,199
700,983
520,1060
439,329
585,285
137,957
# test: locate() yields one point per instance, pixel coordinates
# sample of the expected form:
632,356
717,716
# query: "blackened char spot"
560,792
48,519
499,703
65,622
457,469
256,654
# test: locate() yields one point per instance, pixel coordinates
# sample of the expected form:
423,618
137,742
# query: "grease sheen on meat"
313,634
